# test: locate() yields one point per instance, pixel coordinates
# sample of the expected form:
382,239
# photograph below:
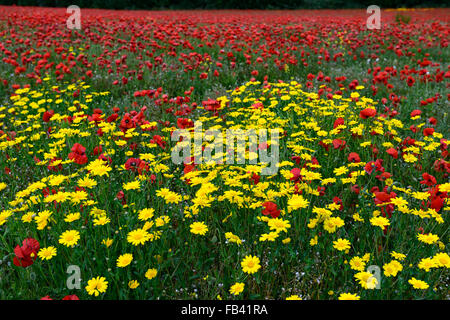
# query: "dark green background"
228,4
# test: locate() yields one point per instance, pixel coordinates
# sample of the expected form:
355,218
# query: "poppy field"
93,206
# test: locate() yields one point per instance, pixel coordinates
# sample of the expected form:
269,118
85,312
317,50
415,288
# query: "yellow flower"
138,236
332,224
69,238
398,256
151,273
278,224
86,182
357,263
348,296
133,284
2,186
445,187
442,259
237,288
199,228
107,242
233,238
428,238
379,222
250,264
47,253
100,170
366,280
101,221
313,241
97,285
72,217
392,268
124,260
418,284
297,202
341,244
133,185
427,263
146,214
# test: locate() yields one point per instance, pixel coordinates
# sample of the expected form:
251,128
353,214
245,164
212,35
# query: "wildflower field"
93,206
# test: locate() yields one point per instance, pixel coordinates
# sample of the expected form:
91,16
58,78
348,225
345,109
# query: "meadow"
93,207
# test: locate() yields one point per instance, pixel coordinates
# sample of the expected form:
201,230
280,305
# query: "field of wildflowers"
93,206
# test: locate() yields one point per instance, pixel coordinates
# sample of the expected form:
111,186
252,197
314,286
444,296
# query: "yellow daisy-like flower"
100,170
348,296
341,244
133,284
124,260
69,238
151,273
96,286
101,221
133,185
445,187
237,288
379,222
398,256
427,263
138,236
146,214
428,238
297,202
199,228
107,242
47,253
442,259
418,284
357,263
72,217
366,280
392,268
2,186
250,264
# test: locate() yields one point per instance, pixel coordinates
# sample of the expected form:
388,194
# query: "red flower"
367,113
428,179
428,132
339,144
78,154
71,297
47,115
354,157
132,164
338,122
27,253
392,152
271,209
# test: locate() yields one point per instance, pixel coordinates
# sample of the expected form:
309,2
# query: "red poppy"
78,154
354,157
392,152
27,253
367,113
271,209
